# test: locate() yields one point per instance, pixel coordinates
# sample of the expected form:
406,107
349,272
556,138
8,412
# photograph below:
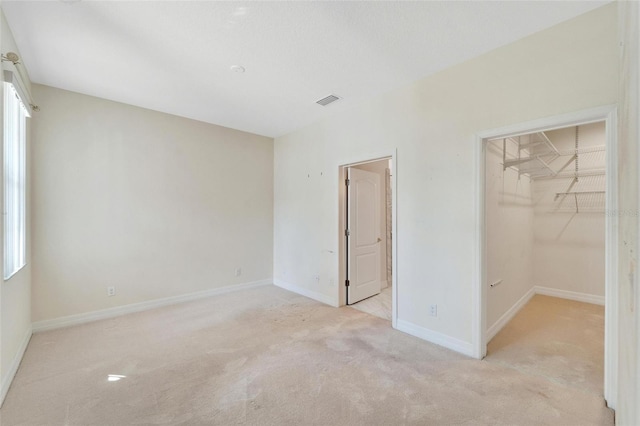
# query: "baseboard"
306,292
13,368
431,336
571,295
138,307
508,316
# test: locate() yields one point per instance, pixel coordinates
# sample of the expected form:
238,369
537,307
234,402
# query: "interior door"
363,239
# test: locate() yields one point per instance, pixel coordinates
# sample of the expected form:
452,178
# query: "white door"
363,239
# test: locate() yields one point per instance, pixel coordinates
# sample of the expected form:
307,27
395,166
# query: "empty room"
314,213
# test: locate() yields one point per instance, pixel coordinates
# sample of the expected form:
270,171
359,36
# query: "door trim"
342,246
608,114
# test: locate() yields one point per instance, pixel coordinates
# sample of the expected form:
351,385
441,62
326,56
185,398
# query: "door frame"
608,114
342,213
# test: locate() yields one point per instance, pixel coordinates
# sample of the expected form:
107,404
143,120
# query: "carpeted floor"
557,339
270,357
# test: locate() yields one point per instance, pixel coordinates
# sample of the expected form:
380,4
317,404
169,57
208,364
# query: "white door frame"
342,246
608,114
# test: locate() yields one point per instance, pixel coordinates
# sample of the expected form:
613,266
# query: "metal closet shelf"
537,157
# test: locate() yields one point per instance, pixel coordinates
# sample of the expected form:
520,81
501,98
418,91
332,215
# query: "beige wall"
15,294
628,312
432,124
153,204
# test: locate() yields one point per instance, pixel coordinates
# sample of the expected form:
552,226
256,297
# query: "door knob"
379,239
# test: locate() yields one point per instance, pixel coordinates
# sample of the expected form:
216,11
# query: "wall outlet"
433,310
317,278
238,272
111,291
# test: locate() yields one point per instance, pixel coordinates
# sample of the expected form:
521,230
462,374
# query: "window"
15,117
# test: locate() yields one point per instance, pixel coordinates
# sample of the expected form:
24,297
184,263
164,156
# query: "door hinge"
347,182
346,283
346,233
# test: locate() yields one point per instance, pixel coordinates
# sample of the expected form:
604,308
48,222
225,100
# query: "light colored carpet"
270,357
378,305
558,339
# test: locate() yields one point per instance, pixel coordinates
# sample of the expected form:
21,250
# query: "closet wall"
569,230
509,228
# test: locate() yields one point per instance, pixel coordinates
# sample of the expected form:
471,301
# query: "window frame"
15,116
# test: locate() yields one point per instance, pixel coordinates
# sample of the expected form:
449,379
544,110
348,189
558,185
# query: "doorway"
367,224
571,190
545,236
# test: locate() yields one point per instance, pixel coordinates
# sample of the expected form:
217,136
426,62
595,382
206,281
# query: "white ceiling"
174,56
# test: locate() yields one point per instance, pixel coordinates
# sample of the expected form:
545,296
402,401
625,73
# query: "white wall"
432,124
15,294
509,232
153,204
569,247
380,167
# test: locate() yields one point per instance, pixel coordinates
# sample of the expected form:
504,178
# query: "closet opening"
548,251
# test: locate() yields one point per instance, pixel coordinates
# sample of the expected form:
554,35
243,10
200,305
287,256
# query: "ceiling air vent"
327,100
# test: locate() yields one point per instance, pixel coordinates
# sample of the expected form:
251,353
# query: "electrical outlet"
111,291
433,310
238,272
317,278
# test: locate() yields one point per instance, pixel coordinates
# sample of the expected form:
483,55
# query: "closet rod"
560,194
596,172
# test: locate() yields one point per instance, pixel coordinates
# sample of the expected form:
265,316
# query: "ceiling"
175,56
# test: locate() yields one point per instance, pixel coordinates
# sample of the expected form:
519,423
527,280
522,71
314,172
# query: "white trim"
142,306
611,263
394,239
15,364
608,114
323,298
478,285
15,80
511,312
592,115
570,295
435,337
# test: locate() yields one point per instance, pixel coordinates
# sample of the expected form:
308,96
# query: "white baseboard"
306,292
571,295
508,316
431,336
13,368
138,307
